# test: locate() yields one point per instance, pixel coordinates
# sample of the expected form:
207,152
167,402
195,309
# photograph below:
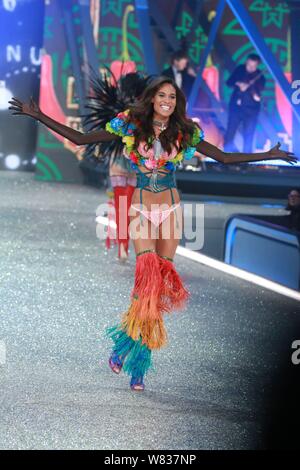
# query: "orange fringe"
157,289
152,331
144,316
147,287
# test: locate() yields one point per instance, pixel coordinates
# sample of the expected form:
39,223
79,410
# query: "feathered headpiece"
105,102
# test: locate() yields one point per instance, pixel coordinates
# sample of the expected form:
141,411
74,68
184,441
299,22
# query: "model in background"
108,97
123,183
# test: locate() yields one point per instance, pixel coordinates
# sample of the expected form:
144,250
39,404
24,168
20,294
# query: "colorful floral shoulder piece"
120,125
198,135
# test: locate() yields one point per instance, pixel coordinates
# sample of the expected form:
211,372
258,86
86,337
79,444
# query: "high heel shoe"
123,257
115,363
136,384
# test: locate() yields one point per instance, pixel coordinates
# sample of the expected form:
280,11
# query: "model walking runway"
157,136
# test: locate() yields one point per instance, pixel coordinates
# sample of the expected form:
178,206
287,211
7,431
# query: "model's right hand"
277,154
30,109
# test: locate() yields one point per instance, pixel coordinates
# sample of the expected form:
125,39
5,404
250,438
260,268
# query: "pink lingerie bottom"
156,216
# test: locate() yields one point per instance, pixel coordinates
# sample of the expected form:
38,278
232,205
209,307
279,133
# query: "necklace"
161,125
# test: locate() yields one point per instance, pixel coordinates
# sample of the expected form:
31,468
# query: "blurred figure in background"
184,76
110,97
181,72
294,207
245,102
123,182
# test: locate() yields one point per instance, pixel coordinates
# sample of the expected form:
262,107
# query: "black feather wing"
105,102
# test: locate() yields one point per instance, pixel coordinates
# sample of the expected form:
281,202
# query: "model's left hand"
277,154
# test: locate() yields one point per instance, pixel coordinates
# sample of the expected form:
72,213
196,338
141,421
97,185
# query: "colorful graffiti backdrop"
58,159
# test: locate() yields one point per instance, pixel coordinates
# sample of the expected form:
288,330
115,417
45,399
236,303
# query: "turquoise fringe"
138,356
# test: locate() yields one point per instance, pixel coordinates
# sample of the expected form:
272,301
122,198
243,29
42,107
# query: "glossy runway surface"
224,381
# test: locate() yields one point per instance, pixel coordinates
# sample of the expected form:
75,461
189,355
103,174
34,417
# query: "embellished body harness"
156,180
161,165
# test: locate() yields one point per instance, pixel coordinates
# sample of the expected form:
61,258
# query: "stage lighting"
12,161
5,96
9,5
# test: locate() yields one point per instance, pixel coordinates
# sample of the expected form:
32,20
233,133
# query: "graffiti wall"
116,35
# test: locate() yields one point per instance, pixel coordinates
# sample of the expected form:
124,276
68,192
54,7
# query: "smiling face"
164,102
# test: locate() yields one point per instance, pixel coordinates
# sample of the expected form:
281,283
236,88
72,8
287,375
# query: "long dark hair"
141,113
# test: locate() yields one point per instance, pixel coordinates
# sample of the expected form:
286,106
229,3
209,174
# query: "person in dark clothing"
294,207
244,106
181,72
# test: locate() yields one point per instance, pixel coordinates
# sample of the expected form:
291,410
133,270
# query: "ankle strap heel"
137,384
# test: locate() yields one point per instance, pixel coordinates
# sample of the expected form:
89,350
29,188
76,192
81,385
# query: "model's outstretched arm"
236,157
32,109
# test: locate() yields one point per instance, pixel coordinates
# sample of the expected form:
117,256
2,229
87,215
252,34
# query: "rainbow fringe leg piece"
144,317
137,355
158,289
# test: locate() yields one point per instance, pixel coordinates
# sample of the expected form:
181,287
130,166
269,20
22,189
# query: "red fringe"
173,295
147,286
158,289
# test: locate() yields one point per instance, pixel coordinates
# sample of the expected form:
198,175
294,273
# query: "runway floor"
223,382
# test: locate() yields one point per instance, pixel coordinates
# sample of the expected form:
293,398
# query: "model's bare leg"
142,232
170,234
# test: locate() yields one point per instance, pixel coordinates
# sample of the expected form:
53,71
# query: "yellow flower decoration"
128,141
178,158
